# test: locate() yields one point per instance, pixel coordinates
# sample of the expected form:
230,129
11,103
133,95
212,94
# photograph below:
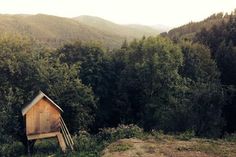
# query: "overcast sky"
148,12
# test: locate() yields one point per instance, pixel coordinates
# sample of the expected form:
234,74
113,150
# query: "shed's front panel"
43,117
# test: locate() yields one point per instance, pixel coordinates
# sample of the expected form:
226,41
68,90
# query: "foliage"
148,82
187,135
230,137
96,71
92,145
152,83
188,31
87,144
157,134
26,68
120,132
205,96
221,41
11,149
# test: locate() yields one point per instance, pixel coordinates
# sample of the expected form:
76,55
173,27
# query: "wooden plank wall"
43,117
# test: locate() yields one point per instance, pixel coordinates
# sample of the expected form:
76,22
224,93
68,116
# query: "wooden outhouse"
43,119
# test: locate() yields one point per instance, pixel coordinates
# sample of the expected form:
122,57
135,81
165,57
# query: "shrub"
230,137
187,135
46,146
157,134
122,131
87,144
92,145
11,149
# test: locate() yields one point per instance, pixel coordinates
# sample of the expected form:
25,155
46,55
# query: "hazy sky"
149,12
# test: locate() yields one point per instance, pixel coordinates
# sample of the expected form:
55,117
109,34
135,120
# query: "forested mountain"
155,84
218,33
221,39
55,31
189,30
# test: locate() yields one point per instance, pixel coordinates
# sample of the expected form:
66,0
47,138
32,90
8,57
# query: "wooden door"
45,122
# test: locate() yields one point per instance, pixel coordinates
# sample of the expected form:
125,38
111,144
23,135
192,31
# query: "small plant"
92,145
122,131
230,137
158,135
11,150
87,144
187,135
46,146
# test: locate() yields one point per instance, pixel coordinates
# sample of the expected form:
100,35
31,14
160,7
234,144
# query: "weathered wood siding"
43,117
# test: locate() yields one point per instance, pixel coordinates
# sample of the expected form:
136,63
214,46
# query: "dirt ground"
170,147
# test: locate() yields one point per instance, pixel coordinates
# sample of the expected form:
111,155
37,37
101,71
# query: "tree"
26,68
205,92
95,70
221,41
150,83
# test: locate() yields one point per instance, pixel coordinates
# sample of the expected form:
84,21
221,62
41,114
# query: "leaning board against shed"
43,119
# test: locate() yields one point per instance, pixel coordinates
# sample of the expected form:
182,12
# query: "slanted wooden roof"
35,100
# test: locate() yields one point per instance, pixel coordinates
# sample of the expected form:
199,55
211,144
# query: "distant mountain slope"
162,28
54,31
128,31
189,30
145,29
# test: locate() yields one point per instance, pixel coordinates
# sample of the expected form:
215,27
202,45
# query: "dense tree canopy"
152,82
26,68
221,39
206,94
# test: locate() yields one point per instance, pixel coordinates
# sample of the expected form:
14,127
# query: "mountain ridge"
55,31
188,31
133,30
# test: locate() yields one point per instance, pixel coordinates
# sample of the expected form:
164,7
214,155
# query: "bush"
14,149
187,135
157,134
46,146
230,137
88,145
122,131
92,145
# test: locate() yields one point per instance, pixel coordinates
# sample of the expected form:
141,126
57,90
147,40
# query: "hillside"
150,146
190,29
128,31
168,146
162,28
54,31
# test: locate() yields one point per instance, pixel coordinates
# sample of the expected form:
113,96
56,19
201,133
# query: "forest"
153,84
